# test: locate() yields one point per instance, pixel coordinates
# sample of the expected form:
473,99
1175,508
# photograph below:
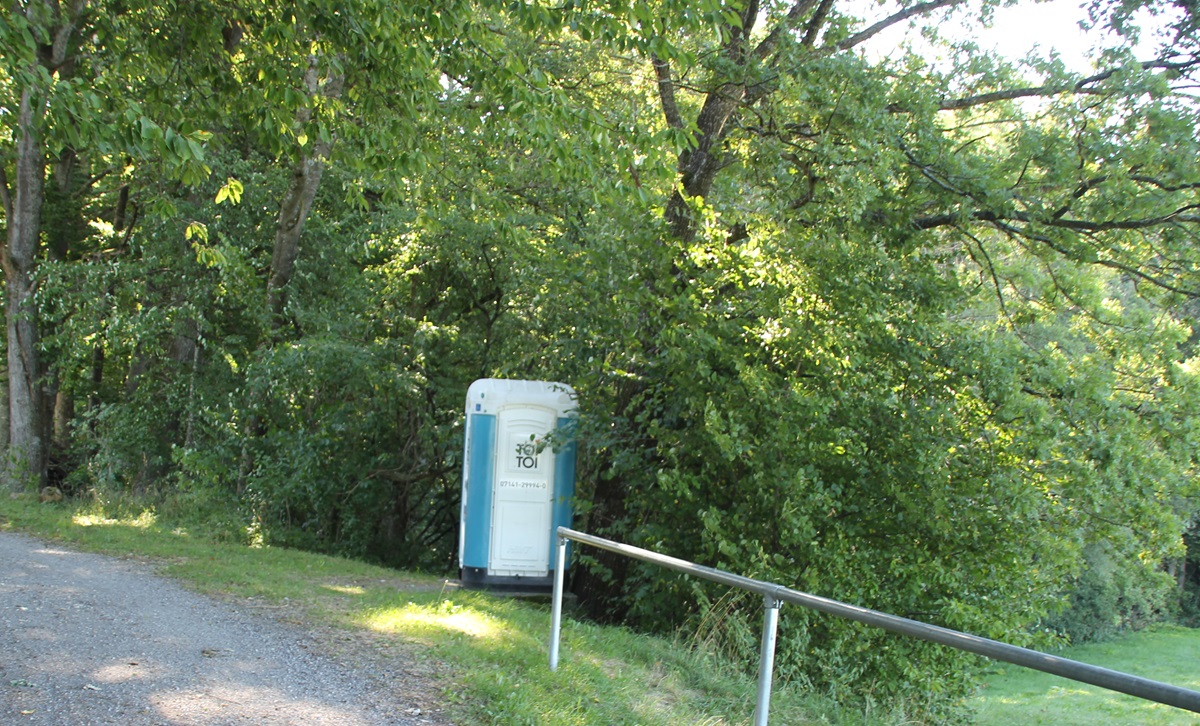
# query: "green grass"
489,655
1013,695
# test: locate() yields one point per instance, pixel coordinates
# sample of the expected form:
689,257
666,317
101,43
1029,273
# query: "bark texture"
27,447
30,408
298,200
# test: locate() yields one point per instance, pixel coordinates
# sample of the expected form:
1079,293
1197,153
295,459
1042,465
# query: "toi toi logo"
527,455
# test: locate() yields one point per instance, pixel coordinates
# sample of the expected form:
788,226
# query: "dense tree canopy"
910,329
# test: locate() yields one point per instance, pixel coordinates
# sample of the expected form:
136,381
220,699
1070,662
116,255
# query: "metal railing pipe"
1083,672
996,650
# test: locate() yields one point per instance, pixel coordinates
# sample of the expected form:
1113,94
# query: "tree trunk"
306,177
97,380
27,449
29,424
64,419
186,354
63,227
698,166
294,209
138,367
4,428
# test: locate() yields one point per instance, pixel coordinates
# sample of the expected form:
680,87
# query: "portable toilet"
518,482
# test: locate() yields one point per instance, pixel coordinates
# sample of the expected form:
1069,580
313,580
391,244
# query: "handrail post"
556,607
766,663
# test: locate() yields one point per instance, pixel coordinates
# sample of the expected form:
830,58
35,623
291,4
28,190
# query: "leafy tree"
894,331
67,74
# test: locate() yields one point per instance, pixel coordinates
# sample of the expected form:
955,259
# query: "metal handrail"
775,595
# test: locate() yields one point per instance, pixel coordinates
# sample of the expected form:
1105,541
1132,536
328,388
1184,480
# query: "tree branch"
1075,225
87,185
1083,225
54,55
1164,187
1111,264
1001,222
997,286
771,42
735,48
1080,87
882,25
958,104
4,197
1180,215
1146,66
759,90
1084,187
815,23
666,92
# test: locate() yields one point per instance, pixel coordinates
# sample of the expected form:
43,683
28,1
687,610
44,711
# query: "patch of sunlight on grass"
434,619
145,520
345,589
1069,692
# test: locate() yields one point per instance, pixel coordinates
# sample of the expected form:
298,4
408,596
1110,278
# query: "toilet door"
521,500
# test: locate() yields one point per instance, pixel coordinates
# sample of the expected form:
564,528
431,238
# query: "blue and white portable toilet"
518,482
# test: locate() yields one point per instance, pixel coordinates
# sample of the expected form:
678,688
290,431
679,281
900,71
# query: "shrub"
1109,598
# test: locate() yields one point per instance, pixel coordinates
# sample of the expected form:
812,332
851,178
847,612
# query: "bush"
349,456
1110,598
1189,607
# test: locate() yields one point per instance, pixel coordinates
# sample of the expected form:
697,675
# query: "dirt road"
86,639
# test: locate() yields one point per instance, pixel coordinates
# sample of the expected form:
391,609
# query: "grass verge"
1171,654
484,657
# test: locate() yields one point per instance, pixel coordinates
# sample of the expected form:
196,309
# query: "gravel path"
86,639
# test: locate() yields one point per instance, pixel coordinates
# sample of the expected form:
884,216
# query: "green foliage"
340,465
1189,577
857,402
909,340
1111,596
771,390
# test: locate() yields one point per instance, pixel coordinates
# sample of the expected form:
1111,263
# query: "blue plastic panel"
477,518
564,487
